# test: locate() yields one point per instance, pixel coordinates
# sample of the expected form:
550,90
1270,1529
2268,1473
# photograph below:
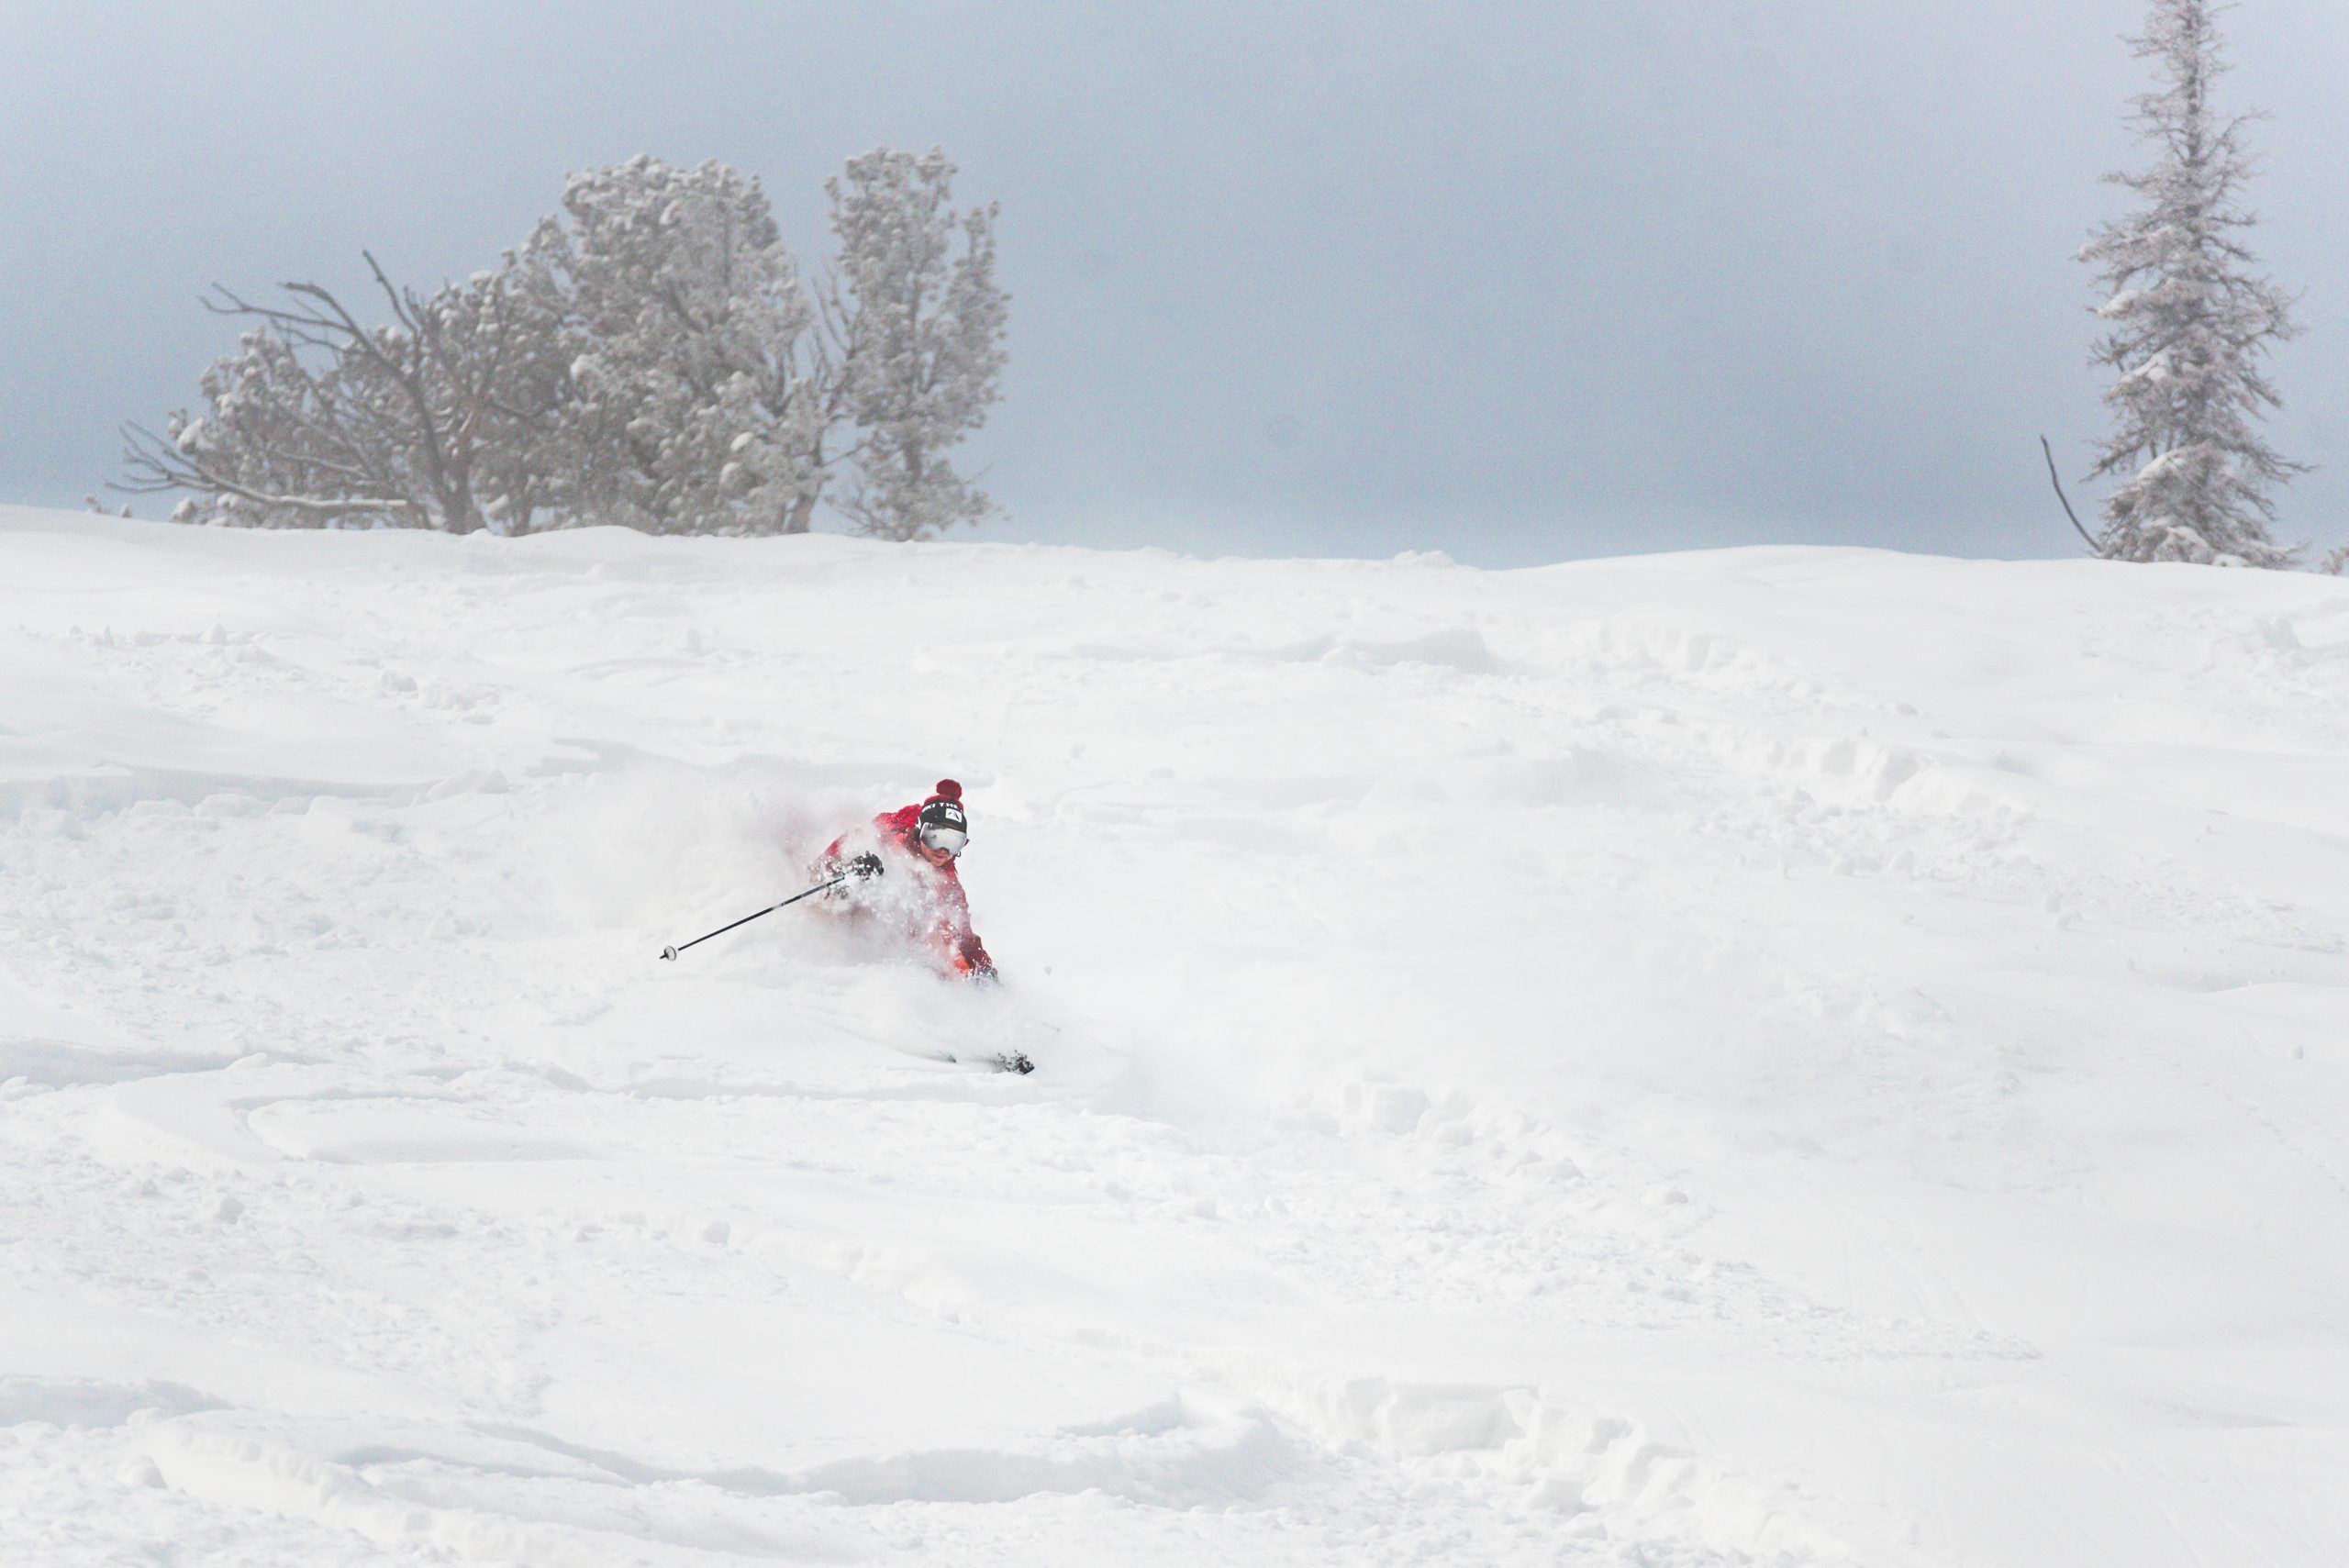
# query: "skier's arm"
964,951
828,864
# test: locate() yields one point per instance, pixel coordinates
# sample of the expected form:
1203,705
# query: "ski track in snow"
1777,1057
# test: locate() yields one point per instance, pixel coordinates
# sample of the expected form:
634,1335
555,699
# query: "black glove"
865,864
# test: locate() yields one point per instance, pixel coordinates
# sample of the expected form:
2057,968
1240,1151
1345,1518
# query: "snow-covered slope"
1781,1056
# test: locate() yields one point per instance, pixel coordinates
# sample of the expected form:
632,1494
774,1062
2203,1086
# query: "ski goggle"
950,840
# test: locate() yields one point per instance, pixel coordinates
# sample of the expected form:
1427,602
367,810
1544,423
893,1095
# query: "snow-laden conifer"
695,398
2189,326
918,327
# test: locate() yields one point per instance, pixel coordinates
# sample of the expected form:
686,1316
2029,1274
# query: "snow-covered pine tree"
697,397
918,332
2189,326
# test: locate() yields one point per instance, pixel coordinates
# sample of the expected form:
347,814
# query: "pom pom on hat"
948,790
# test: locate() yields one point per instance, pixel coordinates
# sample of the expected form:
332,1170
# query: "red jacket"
937,913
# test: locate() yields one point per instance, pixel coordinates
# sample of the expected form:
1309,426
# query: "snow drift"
1787,1056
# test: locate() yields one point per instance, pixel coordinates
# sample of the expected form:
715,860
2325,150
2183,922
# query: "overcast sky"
1519,281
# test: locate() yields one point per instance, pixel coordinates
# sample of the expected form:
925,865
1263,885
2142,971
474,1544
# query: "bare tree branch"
2058,483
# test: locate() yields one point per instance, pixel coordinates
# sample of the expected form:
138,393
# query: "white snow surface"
1771,1056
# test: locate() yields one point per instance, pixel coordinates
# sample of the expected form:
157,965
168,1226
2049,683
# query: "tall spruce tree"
2190,325
918,323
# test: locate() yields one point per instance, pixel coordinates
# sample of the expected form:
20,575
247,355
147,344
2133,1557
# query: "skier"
902,879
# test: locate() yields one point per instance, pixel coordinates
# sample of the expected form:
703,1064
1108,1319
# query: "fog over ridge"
1522,284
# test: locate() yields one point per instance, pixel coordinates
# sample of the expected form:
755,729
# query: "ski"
993,1060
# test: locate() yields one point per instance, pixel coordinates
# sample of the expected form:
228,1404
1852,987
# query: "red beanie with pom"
944,809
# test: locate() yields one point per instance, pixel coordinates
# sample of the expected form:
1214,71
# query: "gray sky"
1520,282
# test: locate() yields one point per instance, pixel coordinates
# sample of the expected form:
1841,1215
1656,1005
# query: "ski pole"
672,952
